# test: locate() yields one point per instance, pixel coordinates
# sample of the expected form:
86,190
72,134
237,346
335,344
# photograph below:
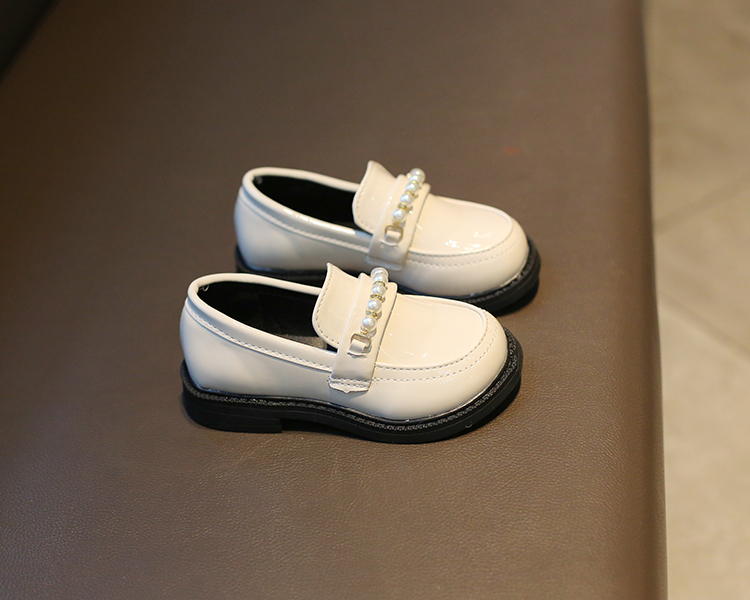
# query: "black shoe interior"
309,198
277,311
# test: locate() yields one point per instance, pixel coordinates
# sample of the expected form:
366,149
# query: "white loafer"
354,355
290,223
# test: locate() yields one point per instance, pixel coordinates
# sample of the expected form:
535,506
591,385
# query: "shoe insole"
309,198
284,313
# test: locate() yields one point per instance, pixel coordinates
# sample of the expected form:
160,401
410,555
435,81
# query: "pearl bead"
399,214
378,288
369,323
374,304
413,188
379,274
407,199
417,175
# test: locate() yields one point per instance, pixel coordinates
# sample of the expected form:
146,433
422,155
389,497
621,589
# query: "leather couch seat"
126,129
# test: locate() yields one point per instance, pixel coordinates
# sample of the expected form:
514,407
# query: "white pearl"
379,274
407,199
374,304
399,214
412,188
369,323
378,288
417,175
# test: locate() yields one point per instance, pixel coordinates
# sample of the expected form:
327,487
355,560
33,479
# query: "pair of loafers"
407,353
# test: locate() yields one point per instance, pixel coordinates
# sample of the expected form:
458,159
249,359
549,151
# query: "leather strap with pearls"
361,343
358,350
394,232
398,221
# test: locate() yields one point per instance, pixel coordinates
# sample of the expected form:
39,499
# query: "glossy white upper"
435,354
458,248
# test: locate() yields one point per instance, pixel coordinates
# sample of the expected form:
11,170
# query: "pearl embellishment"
413,188
379,274
395,231
367,329
417,175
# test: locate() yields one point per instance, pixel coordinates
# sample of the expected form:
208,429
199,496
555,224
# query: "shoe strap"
358,350
393,237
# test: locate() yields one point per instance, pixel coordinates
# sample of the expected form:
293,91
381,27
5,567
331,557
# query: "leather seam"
489,346
345,380
514,225
263,212
448,364
462,264
260,349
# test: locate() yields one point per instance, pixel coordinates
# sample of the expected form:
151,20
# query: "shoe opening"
309,198
284,313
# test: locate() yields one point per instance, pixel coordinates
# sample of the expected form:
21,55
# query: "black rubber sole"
514,294
267,414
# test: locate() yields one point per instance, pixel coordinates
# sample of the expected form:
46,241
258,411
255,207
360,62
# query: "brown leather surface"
124,131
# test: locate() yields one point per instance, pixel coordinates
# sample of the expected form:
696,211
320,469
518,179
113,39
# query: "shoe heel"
228,418
234,416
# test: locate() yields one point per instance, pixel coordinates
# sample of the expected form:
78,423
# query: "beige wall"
699,70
